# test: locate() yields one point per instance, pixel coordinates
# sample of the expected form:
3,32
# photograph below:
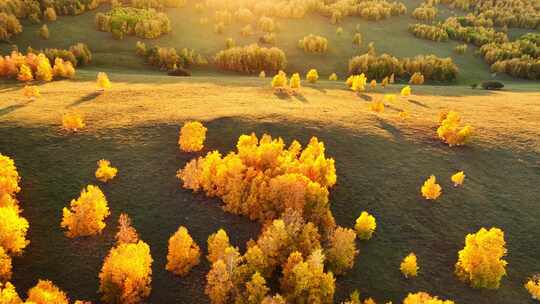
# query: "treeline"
519,58
158,4
509,13
143,23
169,58
425,12
431,32
251,59
78,54
477,35
380,66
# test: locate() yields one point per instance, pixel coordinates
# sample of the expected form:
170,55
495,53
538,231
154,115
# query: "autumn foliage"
533,287
126,273
451,132
424,298
72,122
86,214
192,136
430,189
365,226
264,178
105,172
183,253
409,266
481,262
45,292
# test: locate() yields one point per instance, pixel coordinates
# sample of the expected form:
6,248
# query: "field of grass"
390,36
381,163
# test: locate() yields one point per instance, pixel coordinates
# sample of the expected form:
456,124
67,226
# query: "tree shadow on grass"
300,97
391,107
364,96
318,88
395,132
9,109
282,94
84,99
418,103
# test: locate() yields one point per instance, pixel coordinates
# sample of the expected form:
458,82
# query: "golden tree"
306,281
409,266
45,292
450,131
217,243
365,225
342,250
481,261
44,32
312,76
105,172
183,253
373,84
256,289
44,70
430,189
417,78
192,136
8,294
31,92
295,81
25,73
357,83
533,287
126,233
458,178
126,273
13,230
279,80
424,298
87,213
103,81
333,77
389,98
72,122
376,106
406,91
5,266
9,177
262,74
219,283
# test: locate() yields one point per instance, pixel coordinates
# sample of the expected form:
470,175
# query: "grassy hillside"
381,163
390,36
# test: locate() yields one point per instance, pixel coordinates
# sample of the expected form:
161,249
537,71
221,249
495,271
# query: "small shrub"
481,262
45,292
430,189
333,77
417,78
103,81
533,287
365,226
72,122
192,136
183,252
409,266
49,14
105,172
451,132
458,178
86,214
295,81
461,49
44,32
312,76
279,80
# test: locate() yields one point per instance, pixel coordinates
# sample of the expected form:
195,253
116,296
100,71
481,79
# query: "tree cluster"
251,59
140,22
430,32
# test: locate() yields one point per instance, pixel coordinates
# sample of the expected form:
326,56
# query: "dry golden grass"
498,118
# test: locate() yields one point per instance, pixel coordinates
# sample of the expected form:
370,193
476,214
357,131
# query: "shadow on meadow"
375,173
